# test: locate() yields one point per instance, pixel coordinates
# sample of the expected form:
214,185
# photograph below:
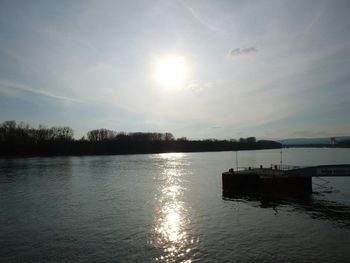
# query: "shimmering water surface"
167,208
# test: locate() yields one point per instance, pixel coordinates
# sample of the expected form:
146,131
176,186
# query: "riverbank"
115,147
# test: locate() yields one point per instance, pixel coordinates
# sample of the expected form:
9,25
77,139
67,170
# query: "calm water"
167,208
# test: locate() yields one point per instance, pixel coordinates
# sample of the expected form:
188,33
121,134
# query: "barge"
279,179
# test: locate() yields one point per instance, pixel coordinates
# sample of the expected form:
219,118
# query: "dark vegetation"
19,139
337,144
313,145
343,144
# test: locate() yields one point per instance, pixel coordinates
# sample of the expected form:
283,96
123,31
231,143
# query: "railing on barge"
296,171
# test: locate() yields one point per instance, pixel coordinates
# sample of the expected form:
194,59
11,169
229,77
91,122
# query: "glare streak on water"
172,215
167,208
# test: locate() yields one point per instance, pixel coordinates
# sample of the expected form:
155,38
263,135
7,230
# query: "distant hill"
310,141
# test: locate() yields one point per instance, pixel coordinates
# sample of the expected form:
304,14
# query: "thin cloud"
204,21
315,19
311,134
242,51
11,85
198,86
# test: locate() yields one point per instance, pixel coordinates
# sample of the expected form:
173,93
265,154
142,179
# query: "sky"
199,69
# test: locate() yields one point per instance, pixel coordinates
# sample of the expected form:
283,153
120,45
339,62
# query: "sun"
171,71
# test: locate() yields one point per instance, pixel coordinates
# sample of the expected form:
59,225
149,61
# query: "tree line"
20,139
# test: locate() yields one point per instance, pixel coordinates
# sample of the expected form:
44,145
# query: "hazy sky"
271,69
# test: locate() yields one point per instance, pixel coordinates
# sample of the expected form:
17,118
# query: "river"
167,208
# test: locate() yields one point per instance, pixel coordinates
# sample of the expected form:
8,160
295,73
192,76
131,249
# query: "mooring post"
281,160
237,161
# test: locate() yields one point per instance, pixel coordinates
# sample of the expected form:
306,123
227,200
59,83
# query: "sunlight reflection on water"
172,213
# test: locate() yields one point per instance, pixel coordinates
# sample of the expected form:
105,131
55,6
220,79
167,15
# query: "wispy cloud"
242,51
315,19
198,86
200,18
310,134
12,85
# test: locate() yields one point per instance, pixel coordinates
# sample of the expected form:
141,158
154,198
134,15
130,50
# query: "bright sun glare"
171,71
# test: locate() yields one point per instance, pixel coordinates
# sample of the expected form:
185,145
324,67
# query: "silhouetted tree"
61,133
251,140
169,136
22,139
242,140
